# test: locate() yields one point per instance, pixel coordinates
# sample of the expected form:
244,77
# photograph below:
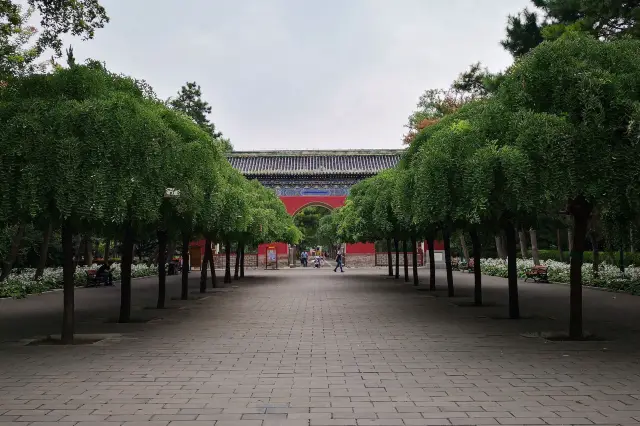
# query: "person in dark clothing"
104,273
338,263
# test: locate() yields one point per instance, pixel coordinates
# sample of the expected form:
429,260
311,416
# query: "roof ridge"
365,164
317,153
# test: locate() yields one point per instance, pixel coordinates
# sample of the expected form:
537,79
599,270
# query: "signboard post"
272,257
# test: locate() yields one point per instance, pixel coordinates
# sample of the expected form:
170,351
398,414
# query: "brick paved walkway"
309,347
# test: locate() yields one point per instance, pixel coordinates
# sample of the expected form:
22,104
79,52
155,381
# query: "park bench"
93,280
539,273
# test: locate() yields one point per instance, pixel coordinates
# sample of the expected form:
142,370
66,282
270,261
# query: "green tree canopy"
603,19
308,222
57,17
189,101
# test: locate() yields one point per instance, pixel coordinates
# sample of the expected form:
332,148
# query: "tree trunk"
432,264
107,250
631,246
463,244
596,255
581,213
406,260
242,261
44,251
184,289
13,252
447,260
389,257
236,272
88,250
414,254
523,244
499,247
212,262
68,271
534,246
514,305
559,240
204,266
125,275
477,271
162,271
227,266
395,245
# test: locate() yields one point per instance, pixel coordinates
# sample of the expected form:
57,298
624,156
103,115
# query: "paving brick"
301,347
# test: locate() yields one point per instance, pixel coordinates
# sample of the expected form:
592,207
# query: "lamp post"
171,193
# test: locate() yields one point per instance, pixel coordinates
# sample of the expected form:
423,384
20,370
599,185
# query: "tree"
189,101
308,221
57,17
523,33
434,104
436,200
580,99
327,233
404,212
474,82
17,55
60,128
603,19
194,170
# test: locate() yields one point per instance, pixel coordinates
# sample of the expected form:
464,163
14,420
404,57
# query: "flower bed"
609,276
21,283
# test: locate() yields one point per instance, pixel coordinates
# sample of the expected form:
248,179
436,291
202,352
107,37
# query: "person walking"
338,262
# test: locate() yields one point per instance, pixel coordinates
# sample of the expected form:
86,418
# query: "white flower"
608,275
19,283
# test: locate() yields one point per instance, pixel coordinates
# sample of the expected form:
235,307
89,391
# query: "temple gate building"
316,178
303,179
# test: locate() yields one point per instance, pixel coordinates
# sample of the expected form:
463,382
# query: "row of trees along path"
559,136
86,151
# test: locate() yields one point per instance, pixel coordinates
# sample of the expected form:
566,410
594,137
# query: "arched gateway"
314,178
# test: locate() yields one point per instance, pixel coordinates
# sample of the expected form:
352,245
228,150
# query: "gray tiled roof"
360,162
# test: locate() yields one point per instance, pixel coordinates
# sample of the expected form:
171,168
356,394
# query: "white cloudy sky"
301,74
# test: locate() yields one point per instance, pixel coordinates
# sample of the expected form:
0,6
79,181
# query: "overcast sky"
299,74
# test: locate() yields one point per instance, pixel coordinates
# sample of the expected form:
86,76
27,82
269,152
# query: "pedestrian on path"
338,262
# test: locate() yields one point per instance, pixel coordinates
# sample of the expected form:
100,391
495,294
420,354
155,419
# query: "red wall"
295,204
437,245
281,249
361,248
199,243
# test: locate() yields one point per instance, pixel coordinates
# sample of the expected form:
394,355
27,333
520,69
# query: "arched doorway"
308,220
